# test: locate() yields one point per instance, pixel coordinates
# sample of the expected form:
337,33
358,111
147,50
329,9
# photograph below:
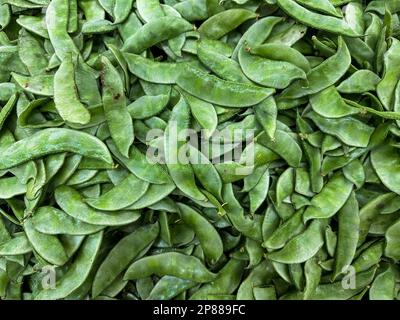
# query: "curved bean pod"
331,198
349,224
127,249
281,52
221,92
224,67
154,194
171,263
154,32
169,287
47,246
218,25
149,9
323,6
15,246
386,87
49,141
302,247
125,193
284,145
392,237
335,291
316,20
384,286
39,84
257,33
79,271
226,282
52,221
209,238
147,106
265,71
359,82
115,110
72,203
152,71
329,104
57,24
323,75
385,161
65,95
180,170
343,129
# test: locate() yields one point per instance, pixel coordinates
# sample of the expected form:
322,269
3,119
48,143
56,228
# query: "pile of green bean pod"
85,214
